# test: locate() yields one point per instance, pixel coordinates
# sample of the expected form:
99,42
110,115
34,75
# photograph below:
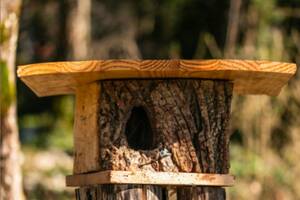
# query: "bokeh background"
265,140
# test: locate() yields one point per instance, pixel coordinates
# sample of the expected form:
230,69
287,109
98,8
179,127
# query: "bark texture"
168,125
200,193
120,192
10,171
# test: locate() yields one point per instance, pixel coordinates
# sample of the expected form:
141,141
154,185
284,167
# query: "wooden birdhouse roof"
248,76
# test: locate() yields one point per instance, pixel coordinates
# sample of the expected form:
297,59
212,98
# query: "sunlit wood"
249,77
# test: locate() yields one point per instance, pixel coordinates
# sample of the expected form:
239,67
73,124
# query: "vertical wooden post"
86,130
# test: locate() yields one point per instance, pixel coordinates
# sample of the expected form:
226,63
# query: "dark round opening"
138,130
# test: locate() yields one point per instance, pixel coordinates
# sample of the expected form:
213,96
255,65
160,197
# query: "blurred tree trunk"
10,165
80,28
232,28
251,32
115,35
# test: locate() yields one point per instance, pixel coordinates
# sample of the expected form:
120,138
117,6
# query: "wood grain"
249,77
149,177
86,138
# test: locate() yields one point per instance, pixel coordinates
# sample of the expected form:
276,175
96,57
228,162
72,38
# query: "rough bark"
120,192
188,122
200,193
10,170
170,120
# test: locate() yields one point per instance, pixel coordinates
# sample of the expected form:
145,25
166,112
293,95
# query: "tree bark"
10,164
165,125
120,192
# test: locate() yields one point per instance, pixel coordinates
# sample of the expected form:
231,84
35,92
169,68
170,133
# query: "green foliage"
62,134
41,125
4,33
7,89
51,131
40,192
245,163
265,5
255,171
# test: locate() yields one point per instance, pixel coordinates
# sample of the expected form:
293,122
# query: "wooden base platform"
151,178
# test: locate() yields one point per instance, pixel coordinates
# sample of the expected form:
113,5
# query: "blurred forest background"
265,138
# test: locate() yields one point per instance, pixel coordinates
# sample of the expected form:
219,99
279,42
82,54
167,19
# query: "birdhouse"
153,129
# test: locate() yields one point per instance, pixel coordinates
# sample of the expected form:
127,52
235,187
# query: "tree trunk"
164,125
80,28
10,165
120,192
232,28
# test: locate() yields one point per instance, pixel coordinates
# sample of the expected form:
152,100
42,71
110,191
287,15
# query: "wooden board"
249,77
86,130
151,178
